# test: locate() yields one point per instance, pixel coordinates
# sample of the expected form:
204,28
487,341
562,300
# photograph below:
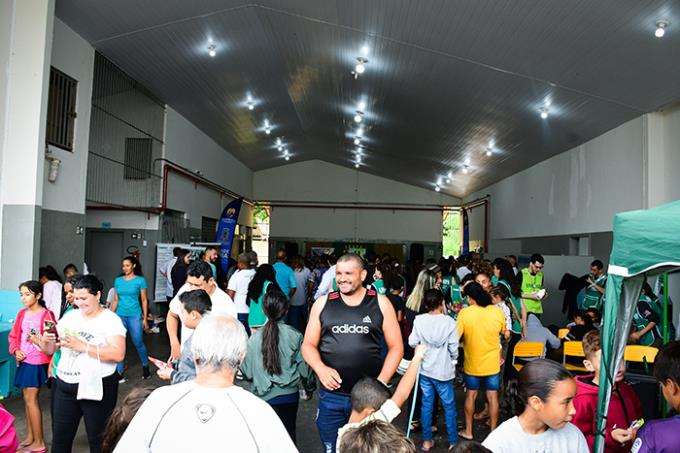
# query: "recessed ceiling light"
489,151
287,157
212,50
357,165
360,132
278,140
361,105
361,65
466,169
437,188
357,141
358,117
544,112
448,180
280,148
661,26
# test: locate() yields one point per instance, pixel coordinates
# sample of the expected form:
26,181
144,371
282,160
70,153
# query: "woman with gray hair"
211,408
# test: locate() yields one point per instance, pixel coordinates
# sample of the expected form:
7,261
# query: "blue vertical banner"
226,229
466,233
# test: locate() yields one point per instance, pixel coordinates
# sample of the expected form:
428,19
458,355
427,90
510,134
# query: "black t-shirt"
397,302
351,338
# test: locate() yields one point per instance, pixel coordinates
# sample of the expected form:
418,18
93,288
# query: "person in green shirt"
533,293
595,291
274,362
381,277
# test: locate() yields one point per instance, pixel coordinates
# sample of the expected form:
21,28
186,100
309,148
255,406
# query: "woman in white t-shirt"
541,403
92,341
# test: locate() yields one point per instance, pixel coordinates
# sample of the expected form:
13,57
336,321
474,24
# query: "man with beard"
343,344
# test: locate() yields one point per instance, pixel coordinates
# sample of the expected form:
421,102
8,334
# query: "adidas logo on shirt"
366,319
351,329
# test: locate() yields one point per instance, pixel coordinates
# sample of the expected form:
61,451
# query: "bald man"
343,343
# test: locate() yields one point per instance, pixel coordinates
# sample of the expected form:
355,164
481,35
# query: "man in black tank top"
343,341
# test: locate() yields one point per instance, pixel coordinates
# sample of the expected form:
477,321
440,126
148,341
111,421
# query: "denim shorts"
489,383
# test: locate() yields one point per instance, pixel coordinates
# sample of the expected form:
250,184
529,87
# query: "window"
138,158
61,110
208,229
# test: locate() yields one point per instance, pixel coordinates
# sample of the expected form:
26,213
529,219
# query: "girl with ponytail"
274,362
540,402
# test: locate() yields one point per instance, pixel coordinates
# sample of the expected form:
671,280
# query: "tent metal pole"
665,308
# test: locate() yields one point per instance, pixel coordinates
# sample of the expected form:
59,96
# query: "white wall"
318,181
188,146
575,192
132,220
72,55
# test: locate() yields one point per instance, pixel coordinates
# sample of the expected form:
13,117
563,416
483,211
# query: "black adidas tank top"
351,338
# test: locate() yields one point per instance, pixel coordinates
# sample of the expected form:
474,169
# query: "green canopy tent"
646,243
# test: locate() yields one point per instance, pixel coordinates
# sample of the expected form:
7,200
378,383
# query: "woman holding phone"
92,342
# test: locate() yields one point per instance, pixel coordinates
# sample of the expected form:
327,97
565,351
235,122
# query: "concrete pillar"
25,52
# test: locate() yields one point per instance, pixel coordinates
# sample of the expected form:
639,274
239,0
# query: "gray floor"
157,344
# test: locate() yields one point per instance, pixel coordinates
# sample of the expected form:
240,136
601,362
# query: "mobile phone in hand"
159,363
50,326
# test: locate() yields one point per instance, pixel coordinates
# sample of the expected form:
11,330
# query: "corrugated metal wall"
124,114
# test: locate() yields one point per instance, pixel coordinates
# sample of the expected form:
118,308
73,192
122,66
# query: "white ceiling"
444,77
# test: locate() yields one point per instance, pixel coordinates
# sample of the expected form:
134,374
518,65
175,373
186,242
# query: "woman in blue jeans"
130,303
438,331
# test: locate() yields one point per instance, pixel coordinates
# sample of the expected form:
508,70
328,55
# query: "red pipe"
171,166
358,206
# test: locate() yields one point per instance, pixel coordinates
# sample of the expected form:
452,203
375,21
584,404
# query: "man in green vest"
533,293
594,292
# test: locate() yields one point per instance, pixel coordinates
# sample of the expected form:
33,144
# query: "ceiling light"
211,50
251,106
287,157
267,128
661,26
357,141
280,148
357,165
489,151
467,161
544,112
365,50
437,188
267,131
360,132
361,65
448,180
285,152
278,140
361,105
466,169
358,117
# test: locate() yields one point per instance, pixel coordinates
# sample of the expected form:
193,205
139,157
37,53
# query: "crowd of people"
344,327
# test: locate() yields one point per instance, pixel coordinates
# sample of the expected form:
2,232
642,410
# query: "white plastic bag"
91,386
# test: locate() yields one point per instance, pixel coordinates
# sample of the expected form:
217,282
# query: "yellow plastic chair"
641,354
527,350
562,333
573,349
